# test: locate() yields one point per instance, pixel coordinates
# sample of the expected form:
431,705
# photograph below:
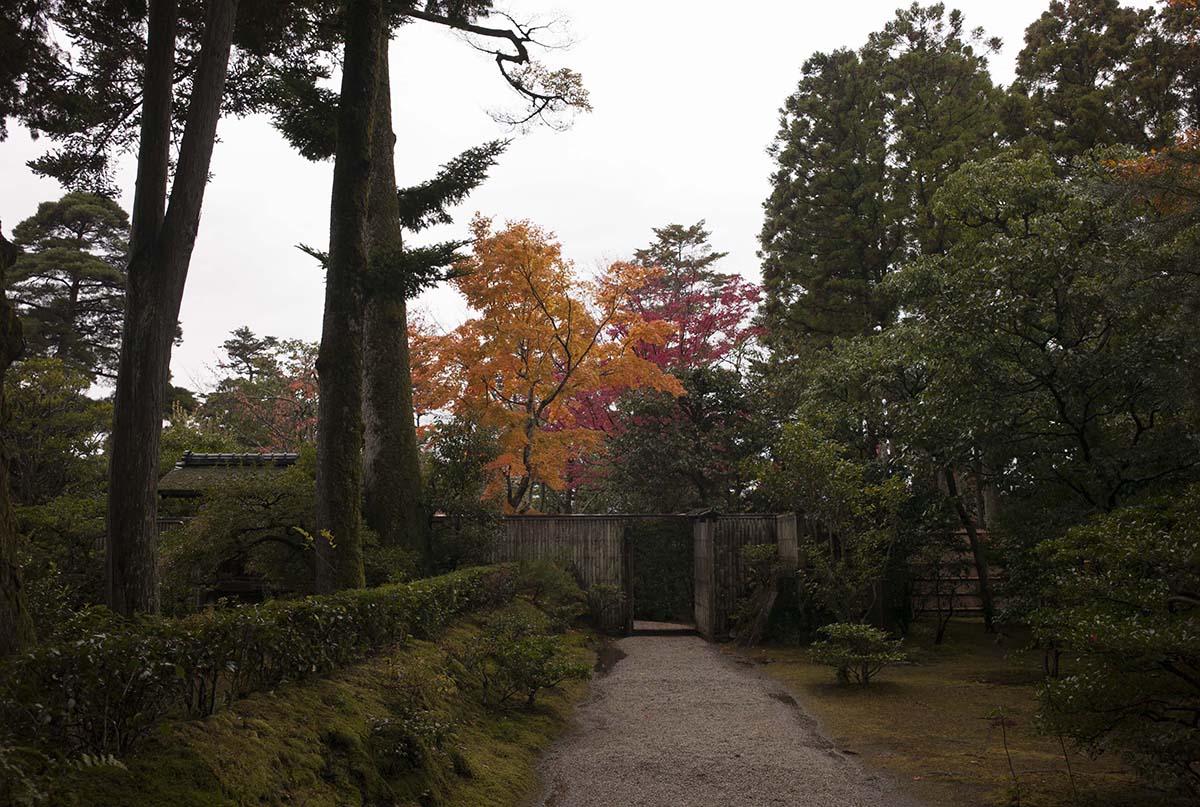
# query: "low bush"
417,726
605,606
856,651
554,591
515,658
107,681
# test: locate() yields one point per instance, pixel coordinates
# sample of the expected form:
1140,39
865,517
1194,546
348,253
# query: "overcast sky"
685,96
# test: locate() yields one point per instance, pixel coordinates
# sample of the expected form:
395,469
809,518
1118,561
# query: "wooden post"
787,538
627,577
704,609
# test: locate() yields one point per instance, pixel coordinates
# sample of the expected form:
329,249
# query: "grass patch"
318,744
927,724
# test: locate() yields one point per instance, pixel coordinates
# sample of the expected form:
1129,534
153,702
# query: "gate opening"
662,575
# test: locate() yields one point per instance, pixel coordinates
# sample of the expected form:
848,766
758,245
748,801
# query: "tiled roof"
192,459
195,472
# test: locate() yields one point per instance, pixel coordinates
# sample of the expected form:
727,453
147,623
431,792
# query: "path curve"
677,723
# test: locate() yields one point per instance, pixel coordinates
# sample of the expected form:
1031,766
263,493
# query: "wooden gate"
597,548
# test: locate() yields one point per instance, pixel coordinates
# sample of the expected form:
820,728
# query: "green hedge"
108,681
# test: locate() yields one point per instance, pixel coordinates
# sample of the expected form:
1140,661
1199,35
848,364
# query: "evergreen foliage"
69,283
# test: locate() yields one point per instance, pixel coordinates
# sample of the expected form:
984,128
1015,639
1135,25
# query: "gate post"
627,577
704,610
787,539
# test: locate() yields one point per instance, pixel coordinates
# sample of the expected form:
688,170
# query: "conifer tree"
864,143
1099,73
69,283
387,275
392,488
16,626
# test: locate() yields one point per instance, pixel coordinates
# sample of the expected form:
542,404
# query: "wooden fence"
596,547
731,533
955,582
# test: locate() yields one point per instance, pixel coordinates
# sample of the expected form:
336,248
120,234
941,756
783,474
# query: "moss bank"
927,723
319,744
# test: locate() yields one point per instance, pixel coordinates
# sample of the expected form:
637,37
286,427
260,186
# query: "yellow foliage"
540,337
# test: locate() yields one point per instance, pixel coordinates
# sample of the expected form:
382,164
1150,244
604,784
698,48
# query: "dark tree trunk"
340,360
16,628
981,564
161,242
393,505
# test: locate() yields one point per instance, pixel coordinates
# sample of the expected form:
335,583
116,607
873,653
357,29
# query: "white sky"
685,96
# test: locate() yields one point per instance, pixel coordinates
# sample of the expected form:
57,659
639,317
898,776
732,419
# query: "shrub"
761,571
107,681
1125,612
857,651
516,658
860,514
553,590
604,605
416,727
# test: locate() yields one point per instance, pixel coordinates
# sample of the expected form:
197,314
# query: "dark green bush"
108,681
1124,608
605,605
856,651
515,658
554,591
761,571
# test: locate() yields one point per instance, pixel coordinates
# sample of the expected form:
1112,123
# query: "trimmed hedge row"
108,681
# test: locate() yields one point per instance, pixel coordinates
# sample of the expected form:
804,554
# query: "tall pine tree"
69,285
1097,73
864,143
392,487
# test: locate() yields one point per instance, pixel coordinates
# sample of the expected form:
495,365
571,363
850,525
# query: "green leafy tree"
16,626
55,435
69,283
667,454
1124,610
252,525
455,472
1050,333
55,431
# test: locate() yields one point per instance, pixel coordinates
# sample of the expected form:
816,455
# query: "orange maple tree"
538,338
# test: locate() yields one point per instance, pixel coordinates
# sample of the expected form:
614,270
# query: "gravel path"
677,723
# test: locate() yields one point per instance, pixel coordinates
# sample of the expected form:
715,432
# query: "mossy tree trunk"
340,360
162,236
16,628
391,463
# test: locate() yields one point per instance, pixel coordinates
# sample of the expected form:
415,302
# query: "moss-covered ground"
927,723
318,744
